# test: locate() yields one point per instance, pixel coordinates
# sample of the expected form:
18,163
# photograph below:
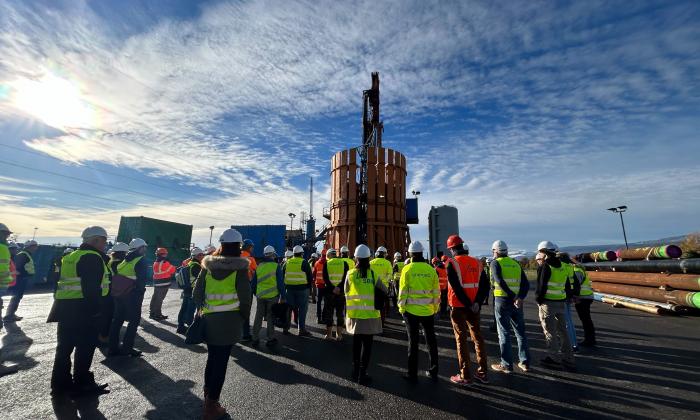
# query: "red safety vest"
469,271
13,273
318,274
162,273
442,276
252,264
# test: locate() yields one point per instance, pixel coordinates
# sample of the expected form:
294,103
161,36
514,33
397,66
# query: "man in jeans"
467,287
553,290
297,280
510,286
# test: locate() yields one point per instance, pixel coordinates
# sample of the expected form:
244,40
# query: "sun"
56,101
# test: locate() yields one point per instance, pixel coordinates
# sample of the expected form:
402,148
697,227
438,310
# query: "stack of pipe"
675,284
649,253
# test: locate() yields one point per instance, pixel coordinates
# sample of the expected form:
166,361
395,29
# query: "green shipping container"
176,237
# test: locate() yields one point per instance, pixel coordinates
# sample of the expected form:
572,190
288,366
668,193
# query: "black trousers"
215,371
413,324
17,292
361,352
335,304
583,308
82,339
443,302
127,308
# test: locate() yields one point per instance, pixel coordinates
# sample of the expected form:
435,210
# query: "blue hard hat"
248,242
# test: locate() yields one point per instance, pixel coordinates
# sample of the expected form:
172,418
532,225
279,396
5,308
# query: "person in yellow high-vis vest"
223,297
419,301
84,279
384,269
24,262
363,320
297,280
553,289
6,277
583,293
268,288
334,273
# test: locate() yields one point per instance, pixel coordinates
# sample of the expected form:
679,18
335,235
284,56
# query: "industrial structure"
443,221
368,188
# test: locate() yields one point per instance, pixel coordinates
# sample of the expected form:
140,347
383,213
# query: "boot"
7,369
212,410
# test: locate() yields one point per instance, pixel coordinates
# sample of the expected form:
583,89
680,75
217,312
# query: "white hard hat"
231,236
362,251
397,255
29,243
499,246
196,251
120,247
93,231
12,245
344,248
269,249
298,250
331,251
314,255
68,251
415,246
549,246
137,243
288,254
4,228
381,249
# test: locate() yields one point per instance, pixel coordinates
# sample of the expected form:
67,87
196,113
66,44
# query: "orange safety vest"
162,273
442,277
253,265
318,270
13,273
469,272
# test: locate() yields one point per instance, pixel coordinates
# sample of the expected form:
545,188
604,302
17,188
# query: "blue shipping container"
264,235
412,211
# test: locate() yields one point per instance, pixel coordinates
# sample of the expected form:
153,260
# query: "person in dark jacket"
187,308
223,297
118,254
24,264
76,309
334,294
128,307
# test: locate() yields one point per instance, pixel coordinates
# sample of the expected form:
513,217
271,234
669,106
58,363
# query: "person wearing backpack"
268,288
185,276
127,305
222,295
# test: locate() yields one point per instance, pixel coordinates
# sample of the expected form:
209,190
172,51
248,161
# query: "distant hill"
592,248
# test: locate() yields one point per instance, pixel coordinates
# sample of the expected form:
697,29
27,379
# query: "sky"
532,118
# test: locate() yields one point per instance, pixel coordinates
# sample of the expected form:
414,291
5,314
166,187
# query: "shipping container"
44,258
175,237
262,236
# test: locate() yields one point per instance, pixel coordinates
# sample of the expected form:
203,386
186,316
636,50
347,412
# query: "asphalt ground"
645,366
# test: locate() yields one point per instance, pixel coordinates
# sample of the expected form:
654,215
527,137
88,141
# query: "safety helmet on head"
453,241
288,254
137,243
381,249
499,246
415,247
547,245
209,249
120,247
93,231
196,251
297,249
314,255
248,242
397,255
435,260
269,250
29,243
161,251
231,236
4,228
344,248
68,251
362,251
331,251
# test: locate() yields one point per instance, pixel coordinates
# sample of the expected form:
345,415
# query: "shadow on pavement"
169,337
15,345
82,408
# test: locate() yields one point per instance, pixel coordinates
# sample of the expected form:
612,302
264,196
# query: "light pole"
415,193
211,233
34,235
620,210
291,220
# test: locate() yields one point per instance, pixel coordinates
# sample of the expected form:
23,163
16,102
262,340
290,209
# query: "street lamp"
415,193
291,220
34,235
621,209
211,232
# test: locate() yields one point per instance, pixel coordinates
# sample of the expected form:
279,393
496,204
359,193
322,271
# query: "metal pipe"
650,253
600,296
678,297
683,266
621,304
674,281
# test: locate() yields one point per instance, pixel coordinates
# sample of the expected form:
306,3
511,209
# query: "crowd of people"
97,293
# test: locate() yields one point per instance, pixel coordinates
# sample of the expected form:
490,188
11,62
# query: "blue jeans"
507,316
570,328
299,299
187,310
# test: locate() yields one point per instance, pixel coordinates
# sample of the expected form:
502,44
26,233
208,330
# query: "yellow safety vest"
557,282
336,269
350,262
586,289
69,284
419,290
220,295
382,267
128,268
267,281
5,272
293,274
29,266
360,295
511,273
399,267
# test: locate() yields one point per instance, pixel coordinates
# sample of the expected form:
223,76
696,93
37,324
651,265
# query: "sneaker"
181,330
431,375
524,367
574,349
481,377
458,380
501,368
304,333
550,363
8,369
